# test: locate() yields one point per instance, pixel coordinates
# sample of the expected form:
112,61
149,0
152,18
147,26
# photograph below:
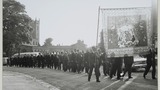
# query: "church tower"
35,33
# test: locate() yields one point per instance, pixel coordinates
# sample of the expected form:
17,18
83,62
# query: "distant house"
79,46
44,49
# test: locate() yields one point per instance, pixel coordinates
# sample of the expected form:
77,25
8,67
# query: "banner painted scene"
126,30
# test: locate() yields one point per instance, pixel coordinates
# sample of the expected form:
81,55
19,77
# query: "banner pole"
97,27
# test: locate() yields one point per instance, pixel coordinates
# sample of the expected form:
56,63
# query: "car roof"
138,58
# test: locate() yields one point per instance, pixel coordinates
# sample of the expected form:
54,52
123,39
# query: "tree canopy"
16,26
48,42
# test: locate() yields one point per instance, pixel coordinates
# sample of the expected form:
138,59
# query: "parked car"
26,53
139,63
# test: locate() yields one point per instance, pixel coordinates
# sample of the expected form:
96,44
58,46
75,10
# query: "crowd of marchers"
79,61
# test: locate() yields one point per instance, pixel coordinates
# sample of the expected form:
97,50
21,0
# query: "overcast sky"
67,21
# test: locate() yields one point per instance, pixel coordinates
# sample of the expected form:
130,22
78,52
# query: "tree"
48,42
101,45
16,26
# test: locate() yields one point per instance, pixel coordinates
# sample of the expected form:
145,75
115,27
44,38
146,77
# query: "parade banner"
126,30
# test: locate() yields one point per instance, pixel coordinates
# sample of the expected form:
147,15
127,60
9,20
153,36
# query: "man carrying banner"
128,61
150,62
116,66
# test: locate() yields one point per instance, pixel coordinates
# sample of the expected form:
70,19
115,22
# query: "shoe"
122,76
144,76
98,81
154,78
130,77
110,76
118,78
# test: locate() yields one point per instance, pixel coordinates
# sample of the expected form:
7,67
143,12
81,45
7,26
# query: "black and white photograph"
80,45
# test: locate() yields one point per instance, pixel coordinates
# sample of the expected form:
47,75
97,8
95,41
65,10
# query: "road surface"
74,81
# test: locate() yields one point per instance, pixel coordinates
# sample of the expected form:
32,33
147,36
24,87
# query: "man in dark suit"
86,61
38,59
150,62
128,61
104,63
97,66
116,64
42,61
93,63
